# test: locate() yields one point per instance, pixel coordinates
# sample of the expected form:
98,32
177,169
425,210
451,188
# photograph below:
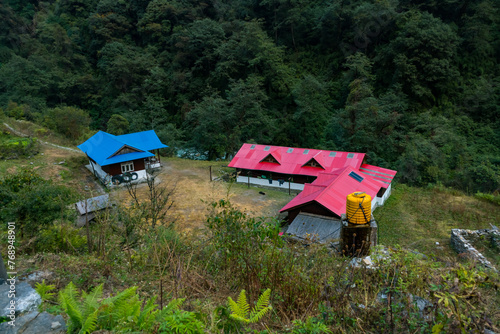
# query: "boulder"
35,323
27,299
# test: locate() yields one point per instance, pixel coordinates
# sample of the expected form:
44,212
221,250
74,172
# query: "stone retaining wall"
461,243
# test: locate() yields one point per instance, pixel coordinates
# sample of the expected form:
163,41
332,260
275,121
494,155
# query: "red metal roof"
291,160
331,189
378,173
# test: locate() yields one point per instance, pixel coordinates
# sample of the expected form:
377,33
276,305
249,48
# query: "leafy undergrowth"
312,289
12,147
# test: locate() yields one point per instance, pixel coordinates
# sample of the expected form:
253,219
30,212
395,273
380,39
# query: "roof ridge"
327,187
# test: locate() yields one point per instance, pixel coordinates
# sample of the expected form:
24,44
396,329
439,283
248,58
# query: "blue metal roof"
101,146
148,140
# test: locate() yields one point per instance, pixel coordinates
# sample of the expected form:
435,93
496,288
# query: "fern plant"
173,320
82,316
311,326
241,309
123,313
44,290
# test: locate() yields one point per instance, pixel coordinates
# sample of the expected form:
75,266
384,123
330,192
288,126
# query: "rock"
38,276
367,261
19,323
421,303
35,323
27,299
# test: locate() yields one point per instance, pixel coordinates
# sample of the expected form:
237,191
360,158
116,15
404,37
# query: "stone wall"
461,243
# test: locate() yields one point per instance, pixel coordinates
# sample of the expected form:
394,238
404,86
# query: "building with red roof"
325,177
300,165
327,195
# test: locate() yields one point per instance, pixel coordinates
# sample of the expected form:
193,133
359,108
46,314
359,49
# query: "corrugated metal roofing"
147,140
331,190
92,204
102,146
307,226
293,163
378,173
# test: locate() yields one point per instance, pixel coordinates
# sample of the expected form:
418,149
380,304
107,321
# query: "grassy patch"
419,217
35,130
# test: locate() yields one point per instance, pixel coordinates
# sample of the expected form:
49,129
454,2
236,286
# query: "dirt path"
51,164
17,133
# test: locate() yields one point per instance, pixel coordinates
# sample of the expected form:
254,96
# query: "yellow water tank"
359,208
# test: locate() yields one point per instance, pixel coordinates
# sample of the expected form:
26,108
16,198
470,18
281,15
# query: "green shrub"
57,238
32,202
311,326
488,197
12,147
124,313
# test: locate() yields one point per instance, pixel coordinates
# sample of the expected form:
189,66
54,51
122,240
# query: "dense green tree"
118,125
423,54
348,75
311,114
71,122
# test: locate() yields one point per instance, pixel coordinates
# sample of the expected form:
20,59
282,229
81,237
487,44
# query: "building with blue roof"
122,158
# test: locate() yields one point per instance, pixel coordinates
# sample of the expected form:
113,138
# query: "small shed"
88,209
316,228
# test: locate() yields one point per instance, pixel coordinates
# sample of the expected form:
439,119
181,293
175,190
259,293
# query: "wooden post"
210,173
289,186
89,245
161,295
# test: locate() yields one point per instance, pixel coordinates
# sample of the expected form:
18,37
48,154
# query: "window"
290,150
306,151
127,166
252,147
350,155
312,163
332,154
355,176
267,148
271,159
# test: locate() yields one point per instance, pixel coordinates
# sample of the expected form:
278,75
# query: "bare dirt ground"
194,192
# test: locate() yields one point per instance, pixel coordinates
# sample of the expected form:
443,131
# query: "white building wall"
265,182
379,201
105,178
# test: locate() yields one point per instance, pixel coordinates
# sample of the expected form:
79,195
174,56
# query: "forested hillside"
415,84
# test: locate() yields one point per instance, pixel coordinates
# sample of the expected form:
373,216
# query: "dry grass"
194,192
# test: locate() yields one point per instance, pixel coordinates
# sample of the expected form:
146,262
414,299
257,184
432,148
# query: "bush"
32,202
71,122
488,197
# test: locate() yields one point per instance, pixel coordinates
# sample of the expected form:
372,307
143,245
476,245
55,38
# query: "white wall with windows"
127,166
